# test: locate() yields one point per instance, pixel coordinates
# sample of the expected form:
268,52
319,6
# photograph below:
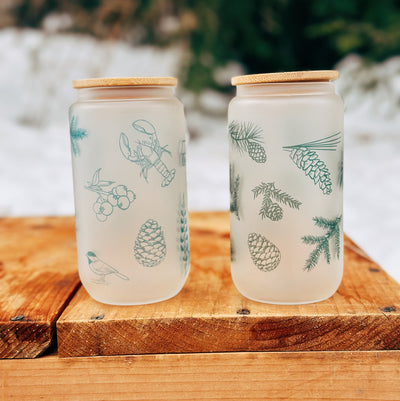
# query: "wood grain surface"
210,315
38,276
306,376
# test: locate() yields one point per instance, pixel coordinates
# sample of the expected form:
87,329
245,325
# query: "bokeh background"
45,44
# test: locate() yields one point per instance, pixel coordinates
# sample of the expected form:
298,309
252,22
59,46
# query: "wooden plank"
364,375
209,315
38,276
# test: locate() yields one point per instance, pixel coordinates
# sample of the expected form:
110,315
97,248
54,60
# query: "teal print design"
76,134
265,255
269,208
233,250
182,153
147,152
306,158
109,197
321,242
246,138
150,248
184,246
340,170
102,269
234,185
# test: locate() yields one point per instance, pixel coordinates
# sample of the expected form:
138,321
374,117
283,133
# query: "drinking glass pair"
286,176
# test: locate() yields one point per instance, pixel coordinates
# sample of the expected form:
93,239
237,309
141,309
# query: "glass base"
274,302
146,302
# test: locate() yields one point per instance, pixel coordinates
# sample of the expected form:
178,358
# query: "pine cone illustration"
308,161
247,137
265,255
305,157
257,152
274,212
150,248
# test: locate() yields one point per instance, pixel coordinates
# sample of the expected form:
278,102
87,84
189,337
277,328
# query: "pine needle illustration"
265,255
271,209
322,242
340,175
246,138
233,250
234,182
76,134
306,158
184,247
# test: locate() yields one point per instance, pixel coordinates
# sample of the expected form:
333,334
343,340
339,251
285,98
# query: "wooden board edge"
188,335
25,339
372,375
21,330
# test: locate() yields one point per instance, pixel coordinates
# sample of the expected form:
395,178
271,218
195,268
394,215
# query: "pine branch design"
332,228
340,170
184,247
234,184
271,209
233,250
306,158
246,138
76,134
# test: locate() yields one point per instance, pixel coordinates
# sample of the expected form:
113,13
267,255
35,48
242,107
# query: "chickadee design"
102,269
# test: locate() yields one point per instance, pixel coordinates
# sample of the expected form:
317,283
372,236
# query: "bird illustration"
102,269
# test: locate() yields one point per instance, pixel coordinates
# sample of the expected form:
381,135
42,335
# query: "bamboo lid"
126,81
294,76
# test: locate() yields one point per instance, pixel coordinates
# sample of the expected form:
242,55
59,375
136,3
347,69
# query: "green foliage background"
262,35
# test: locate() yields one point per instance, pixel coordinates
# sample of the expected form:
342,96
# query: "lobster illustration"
148,152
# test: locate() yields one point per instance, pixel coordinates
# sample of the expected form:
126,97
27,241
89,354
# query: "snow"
36,70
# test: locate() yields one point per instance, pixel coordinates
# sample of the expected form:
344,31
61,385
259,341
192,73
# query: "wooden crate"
200,339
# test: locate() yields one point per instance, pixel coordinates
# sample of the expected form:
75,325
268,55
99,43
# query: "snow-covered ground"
35,165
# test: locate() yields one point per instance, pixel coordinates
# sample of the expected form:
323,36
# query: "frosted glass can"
128,159
286,185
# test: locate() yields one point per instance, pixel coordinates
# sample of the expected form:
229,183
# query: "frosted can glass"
286,184
128,157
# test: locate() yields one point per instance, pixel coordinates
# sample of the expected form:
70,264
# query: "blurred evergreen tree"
262,35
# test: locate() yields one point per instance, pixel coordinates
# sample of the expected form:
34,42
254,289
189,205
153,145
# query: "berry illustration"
106,208
265,255
103,209
113,199
120,190
123,202
109,198
101,217
97,207
150,248
131,196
